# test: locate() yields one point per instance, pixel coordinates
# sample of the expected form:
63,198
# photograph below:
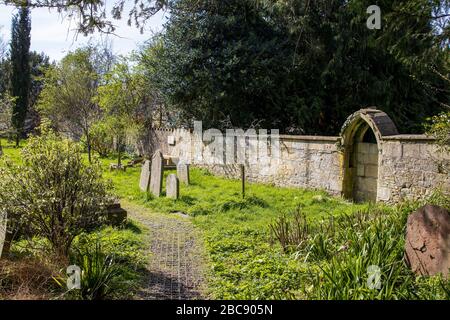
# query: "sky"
54,35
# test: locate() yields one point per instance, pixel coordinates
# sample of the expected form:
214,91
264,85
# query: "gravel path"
177,264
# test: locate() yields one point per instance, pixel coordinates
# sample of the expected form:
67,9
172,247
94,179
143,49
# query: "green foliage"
68,95
53,193
122,244
290,232
217,57
329,243
439,128
20,68
125,102
100,138
299,66
39,62
6,111
339,252
98,275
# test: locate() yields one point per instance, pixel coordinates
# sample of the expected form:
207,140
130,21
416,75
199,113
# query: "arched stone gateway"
361,137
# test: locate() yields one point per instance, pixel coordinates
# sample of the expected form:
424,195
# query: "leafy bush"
54,193
100,139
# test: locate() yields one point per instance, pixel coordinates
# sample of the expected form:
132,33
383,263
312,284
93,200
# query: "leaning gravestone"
156,174
172,186
144,182
4,235
183,173
427,242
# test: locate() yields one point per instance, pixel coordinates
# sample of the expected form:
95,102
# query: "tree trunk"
89,149
119,152
17,139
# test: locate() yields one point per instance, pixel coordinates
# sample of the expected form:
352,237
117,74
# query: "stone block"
427,242
183,173
144,182
371,171
172,187
5,236
156,174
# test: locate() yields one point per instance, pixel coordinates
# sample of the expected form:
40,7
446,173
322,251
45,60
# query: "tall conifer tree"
20,68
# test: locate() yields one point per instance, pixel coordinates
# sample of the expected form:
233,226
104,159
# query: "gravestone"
144,182
427,242
183,173
5,236
172,186
117,216
156,174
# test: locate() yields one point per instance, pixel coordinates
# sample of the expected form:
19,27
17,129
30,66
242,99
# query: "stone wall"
396,167
411,167
305,162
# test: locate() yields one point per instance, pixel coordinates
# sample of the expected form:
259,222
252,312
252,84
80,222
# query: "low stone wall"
390,169
305,162
411,167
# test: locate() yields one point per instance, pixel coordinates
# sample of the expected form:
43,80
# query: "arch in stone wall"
361,138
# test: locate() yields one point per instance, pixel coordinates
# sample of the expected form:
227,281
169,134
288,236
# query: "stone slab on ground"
427,242
183,173
157,168
172,187
117,216
144,182
5,236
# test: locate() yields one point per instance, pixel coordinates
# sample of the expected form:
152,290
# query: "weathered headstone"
172,186
5,236
183,173
144,182
117,216
156,174
427,242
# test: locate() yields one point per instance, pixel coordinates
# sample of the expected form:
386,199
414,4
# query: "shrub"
54,193
290,232
340,252
99,273
100,139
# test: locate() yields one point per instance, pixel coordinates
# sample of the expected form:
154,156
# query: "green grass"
246,262
10,150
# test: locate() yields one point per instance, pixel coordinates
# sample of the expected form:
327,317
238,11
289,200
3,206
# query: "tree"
39,62
4,67
54,194
20,67
92,14
300,66
124,100
6,107
3,47
67,98
224,60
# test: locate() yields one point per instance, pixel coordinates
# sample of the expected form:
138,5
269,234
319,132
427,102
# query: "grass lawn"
245,263
338,242
342,242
